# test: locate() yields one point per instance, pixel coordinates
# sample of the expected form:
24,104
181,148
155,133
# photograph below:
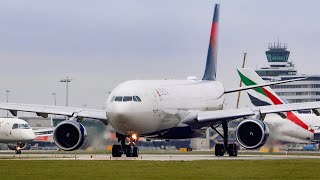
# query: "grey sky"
101,43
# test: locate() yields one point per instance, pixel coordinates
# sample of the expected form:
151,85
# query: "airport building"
280,68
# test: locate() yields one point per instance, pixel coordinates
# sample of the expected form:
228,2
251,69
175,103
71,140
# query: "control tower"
277,57
280,68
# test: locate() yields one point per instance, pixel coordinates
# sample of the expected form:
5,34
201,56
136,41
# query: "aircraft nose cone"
29,135
121,113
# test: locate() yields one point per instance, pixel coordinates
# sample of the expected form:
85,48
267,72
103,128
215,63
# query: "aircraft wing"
230,114
44,110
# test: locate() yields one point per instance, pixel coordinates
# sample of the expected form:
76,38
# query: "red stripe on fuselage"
290,115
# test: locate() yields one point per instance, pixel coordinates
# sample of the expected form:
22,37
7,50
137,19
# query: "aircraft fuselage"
162,104
13,130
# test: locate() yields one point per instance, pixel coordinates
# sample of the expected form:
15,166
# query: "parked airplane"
15,133
286,127
166,109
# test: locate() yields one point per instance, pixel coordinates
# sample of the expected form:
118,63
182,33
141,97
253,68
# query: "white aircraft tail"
260,96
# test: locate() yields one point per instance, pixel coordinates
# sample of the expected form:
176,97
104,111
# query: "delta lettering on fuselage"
162,92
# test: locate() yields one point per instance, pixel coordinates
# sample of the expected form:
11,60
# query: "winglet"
211,65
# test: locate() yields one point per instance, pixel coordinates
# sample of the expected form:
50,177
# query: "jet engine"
69,135
252,133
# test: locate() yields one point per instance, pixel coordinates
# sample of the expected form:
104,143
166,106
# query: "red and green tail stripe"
290,115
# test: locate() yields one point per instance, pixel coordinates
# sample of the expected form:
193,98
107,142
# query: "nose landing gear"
130,149
18,148
18,151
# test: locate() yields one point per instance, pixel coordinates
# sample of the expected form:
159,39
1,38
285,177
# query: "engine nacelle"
252,133
69,135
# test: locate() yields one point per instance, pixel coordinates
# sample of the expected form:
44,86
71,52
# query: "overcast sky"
101,43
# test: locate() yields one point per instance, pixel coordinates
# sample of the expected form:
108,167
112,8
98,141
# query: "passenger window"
15,126
118,98
112,99
127,98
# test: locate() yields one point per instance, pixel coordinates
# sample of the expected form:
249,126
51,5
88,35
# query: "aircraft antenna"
243,64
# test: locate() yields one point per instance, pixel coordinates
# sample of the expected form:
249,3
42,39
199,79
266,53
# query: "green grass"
226,169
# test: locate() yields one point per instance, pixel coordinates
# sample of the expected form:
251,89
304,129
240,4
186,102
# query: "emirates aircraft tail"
263,96
260,96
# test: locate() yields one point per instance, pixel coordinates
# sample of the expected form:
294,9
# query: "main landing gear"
221,149
130,149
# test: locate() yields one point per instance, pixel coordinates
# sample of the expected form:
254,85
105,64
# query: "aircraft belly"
177,133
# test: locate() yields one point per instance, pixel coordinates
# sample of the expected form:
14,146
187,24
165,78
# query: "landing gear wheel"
232,150
116,150
128,151
135,152
219,150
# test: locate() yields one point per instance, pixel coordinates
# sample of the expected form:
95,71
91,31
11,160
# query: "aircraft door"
156,113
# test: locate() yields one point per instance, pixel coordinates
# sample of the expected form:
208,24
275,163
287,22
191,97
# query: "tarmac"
9,155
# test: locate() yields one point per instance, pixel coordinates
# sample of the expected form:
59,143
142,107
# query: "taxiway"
149,157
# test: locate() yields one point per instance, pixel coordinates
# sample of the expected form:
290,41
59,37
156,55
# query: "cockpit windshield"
125,98
20,126
24,126
118,98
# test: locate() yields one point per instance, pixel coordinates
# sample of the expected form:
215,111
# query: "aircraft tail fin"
211,64
258,96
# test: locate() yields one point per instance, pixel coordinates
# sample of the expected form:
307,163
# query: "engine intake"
69,135
252,133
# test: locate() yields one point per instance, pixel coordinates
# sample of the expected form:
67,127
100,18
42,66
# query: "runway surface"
149,157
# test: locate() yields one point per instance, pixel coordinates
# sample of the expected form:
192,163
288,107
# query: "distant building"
307,90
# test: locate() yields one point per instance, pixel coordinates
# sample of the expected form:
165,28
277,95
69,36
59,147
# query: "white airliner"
285,127
15,133
166,109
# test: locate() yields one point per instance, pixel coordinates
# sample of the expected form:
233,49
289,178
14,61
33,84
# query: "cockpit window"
127,98
138,98
15,126
24,126
118,98
134,98
20,126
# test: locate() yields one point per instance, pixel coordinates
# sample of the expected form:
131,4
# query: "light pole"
55,98
66,80
7,94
